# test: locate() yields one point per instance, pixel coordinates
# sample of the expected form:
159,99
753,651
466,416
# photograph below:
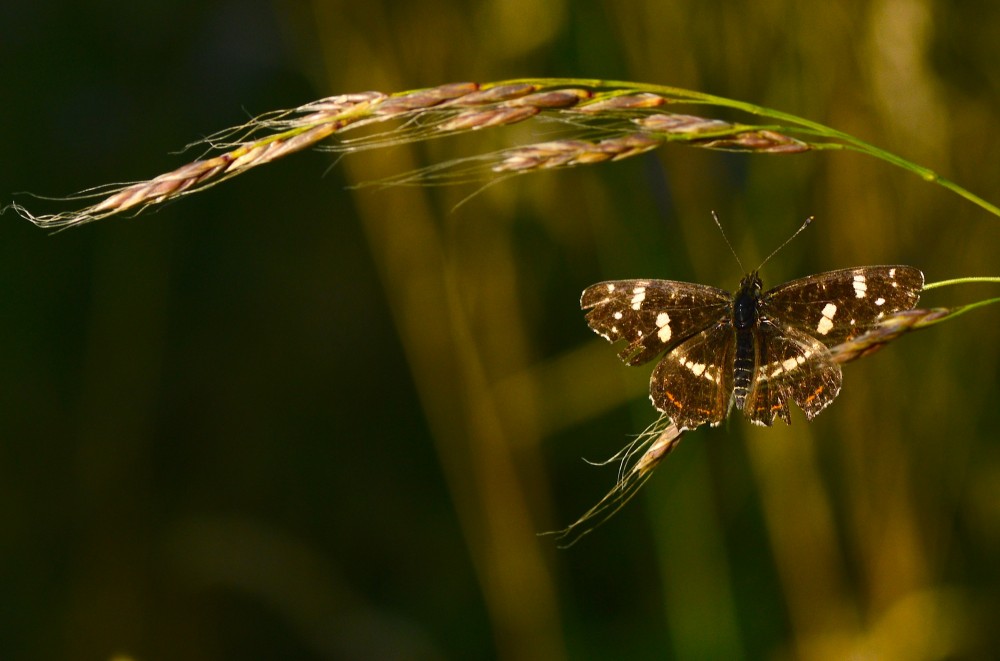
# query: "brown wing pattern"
651,315
791,366
795,324
840,305
693,384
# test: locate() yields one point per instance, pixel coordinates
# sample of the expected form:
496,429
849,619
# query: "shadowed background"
287,419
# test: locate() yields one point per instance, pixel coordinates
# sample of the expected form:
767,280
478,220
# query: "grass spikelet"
495,94
891,329
422,99
567,153
636,464
480,119
604,121
909,320
717,134
622,102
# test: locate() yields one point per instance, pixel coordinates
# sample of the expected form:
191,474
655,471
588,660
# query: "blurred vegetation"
287,419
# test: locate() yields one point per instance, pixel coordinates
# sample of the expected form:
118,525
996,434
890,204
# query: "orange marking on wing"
815,394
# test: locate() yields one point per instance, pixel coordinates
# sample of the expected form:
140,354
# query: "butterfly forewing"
839,305
652,315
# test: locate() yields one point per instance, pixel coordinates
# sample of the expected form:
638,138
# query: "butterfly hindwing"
791,366
693,384
839,305
651,315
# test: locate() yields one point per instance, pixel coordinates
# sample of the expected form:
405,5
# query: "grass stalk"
605,120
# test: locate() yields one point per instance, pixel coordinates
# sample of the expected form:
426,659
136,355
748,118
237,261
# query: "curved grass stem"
604,120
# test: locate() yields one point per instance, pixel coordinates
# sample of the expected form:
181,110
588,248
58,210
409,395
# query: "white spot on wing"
785,366
879,301
860,286
696,368
826,321
618,315
638,297
611,287
663,323
892,273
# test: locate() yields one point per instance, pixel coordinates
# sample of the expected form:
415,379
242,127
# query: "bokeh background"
286,419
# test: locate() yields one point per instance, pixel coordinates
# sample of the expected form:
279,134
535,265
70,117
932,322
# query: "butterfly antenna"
719,225
787,241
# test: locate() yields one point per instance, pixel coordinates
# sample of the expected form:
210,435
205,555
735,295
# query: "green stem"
962,281
849,141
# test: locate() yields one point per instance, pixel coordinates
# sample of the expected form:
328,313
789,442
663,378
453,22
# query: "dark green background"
285,419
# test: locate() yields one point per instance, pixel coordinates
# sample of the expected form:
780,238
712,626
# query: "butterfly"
753,350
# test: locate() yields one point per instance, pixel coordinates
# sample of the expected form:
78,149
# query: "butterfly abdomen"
746,313
742,367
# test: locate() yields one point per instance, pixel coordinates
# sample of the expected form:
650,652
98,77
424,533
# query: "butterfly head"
750,285
746,302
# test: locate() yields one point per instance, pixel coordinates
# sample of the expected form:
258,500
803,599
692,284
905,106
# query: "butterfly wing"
791,366
651,315
839,305
796,322
693,384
